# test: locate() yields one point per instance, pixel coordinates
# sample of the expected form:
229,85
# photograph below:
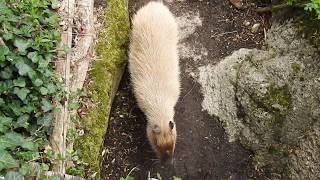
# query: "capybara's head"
162,138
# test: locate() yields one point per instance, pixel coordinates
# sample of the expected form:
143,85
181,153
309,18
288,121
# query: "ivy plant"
28,83
313,5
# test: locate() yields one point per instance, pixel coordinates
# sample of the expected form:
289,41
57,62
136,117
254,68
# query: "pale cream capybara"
154,70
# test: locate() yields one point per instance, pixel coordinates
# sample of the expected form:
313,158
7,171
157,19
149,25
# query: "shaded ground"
211,30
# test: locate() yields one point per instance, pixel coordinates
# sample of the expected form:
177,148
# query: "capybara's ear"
156,129
171,124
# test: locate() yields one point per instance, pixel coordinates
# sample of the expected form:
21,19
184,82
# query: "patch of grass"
112,54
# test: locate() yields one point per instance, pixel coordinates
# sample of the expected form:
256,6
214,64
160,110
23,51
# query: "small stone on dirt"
246,23
237,3
255,28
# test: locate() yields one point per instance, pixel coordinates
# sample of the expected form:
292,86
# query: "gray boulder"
269,100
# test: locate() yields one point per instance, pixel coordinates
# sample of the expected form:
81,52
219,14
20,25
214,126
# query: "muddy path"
210,30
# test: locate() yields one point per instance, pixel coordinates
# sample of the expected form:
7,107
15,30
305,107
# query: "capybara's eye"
171,125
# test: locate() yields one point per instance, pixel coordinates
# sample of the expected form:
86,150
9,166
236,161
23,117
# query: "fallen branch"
278,7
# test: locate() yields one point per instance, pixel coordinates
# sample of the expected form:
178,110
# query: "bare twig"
221,34
132,171
194,84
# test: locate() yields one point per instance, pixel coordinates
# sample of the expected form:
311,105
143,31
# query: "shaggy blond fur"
154,69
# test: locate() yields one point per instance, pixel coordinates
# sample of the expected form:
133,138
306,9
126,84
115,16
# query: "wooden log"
58,137
82,52
62,176
77,34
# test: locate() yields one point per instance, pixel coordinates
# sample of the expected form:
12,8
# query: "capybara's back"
154,69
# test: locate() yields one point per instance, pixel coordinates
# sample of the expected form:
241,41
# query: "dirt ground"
212,30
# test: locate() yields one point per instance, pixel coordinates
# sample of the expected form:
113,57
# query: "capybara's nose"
166,157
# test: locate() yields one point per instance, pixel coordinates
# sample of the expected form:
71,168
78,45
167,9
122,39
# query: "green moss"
279,95
275,95
112,54
296,69
274,155
237,67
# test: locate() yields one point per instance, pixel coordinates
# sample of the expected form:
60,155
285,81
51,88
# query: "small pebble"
246,23
255,28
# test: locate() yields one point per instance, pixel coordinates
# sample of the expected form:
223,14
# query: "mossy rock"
269,100
103,80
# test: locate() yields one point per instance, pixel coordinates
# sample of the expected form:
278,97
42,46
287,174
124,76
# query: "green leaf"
23,68
46,120
15,106
26,156
46,105
12,175
38,82
5,143
82,93
11,140
32,75
53,20
6,160
13,57
74,106
34,57
176,178
21,93
8,36
48,73
25,169
53,178
5,86
20,82
43,91
22,120
43,63
6,73
29,145
4,50
22,45
51,88
71,134
67,49
4,124
44,167
55,4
